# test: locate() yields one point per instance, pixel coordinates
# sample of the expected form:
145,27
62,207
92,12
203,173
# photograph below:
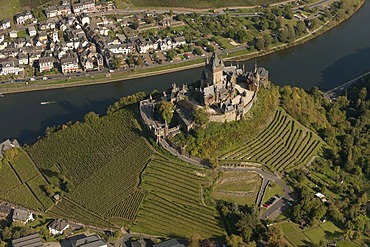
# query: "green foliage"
166,109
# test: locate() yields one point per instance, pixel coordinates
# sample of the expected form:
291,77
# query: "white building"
13,34
8,67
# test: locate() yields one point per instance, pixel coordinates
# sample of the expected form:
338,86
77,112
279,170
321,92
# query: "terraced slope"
22,183
284,145
173,205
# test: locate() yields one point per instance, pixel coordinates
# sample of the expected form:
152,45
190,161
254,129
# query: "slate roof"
32,240
58,224
169,243
90,241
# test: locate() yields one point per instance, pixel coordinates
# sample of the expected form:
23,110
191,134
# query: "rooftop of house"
20,214
90,241
32,240
8,144
58,225
169,243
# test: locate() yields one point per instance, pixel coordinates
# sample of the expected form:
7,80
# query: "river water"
326,61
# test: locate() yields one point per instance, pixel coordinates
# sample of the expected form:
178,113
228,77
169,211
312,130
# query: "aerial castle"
227,93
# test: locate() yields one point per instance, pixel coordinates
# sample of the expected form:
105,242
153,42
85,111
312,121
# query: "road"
332,92
280,204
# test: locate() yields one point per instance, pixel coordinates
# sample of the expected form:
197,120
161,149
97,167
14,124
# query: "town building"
46,63
32,31
9,66
13,34
69,65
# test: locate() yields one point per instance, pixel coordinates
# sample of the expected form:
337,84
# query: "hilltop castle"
225,92
229,89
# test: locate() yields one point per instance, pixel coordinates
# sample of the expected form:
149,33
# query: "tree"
197,51
194,240
234,241
275,236
259,43
91,117
201,117
166,109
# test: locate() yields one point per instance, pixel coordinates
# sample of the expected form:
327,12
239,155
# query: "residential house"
69,65
32,31
7,145
46,63
2,37
58,226
9,66
23,59
13,34
90,241
169,243
32,240
5,24
21,18
5,209
22,215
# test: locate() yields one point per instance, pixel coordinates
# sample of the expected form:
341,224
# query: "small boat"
44,102
1,95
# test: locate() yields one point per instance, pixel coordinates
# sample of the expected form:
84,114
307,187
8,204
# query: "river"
326,61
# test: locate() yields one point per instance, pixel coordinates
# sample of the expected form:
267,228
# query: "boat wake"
47,102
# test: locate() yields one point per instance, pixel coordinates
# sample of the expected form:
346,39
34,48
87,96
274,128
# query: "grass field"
284,145
173,205
239,187
296,236
198,4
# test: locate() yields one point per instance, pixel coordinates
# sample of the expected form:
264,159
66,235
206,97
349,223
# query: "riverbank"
240,55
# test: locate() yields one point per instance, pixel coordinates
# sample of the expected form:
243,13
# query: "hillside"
9,8
284,145
197,4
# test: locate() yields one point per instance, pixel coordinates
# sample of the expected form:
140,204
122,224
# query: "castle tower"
215,69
